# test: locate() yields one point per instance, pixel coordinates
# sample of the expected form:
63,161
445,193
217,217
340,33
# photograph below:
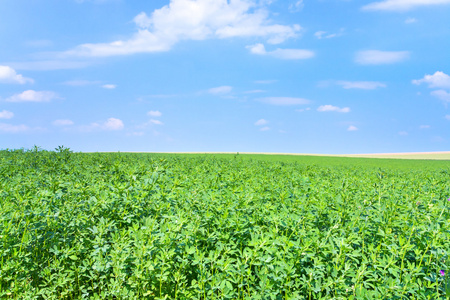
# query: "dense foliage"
147,226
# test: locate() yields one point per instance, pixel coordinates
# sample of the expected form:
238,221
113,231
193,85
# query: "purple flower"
442,272
448,199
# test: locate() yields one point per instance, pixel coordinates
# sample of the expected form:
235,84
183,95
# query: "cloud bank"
193,20
401,5
9,75
377,57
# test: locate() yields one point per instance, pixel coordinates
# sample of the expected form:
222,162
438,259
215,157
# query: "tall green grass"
148,226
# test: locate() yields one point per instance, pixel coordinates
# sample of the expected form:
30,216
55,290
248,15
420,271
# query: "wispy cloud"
410,20
9,128
225,89
293,54
326,35
154,113
4,114
156,122
261,122
447,117
109,86
404,133
63,122
377,57
424,127
111,124
193,20
442,95
364,85
33,96
266,128
9,75
352,128
296,6
401,5
326,108
284,101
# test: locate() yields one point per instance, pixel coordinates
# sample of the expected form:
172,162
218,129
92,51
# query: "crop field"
168,226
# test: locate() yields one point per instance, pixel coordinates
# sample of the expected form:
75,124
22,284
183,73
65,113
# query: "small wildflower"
448,199
442,272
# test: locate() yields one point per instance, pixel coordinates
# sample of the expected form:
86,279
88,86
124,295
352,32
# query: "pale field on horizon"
443,155
413,155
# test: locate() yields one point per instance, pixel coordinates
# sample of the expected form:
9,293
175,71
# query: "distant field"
444,155
384,162
414,155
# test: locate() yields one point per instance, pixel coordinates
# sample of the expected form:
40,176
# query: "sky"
311,76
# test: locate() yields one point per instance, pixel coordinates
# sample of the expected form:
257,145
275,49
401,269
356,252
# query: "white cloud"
4,114
424,126
325,108
156,122
401,5
109,86
265,128
33,96
437,80
220,90
377,57
404,133
324,35
442,95
259,49
352,128
261,122
284,101
8,128
113,124
365,85
193,20
154,113
296,6
142,20
63,122
447,117
410,20
9,75
303,109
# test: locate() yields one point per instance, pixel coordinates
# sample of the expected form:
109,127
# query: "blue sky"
311,76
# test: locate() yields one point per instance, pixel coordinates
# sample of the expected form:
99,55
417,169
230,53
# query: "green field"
222,226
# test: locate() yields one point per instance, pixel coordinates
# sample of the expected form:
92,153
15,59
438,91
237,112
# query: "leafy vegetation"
154,226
